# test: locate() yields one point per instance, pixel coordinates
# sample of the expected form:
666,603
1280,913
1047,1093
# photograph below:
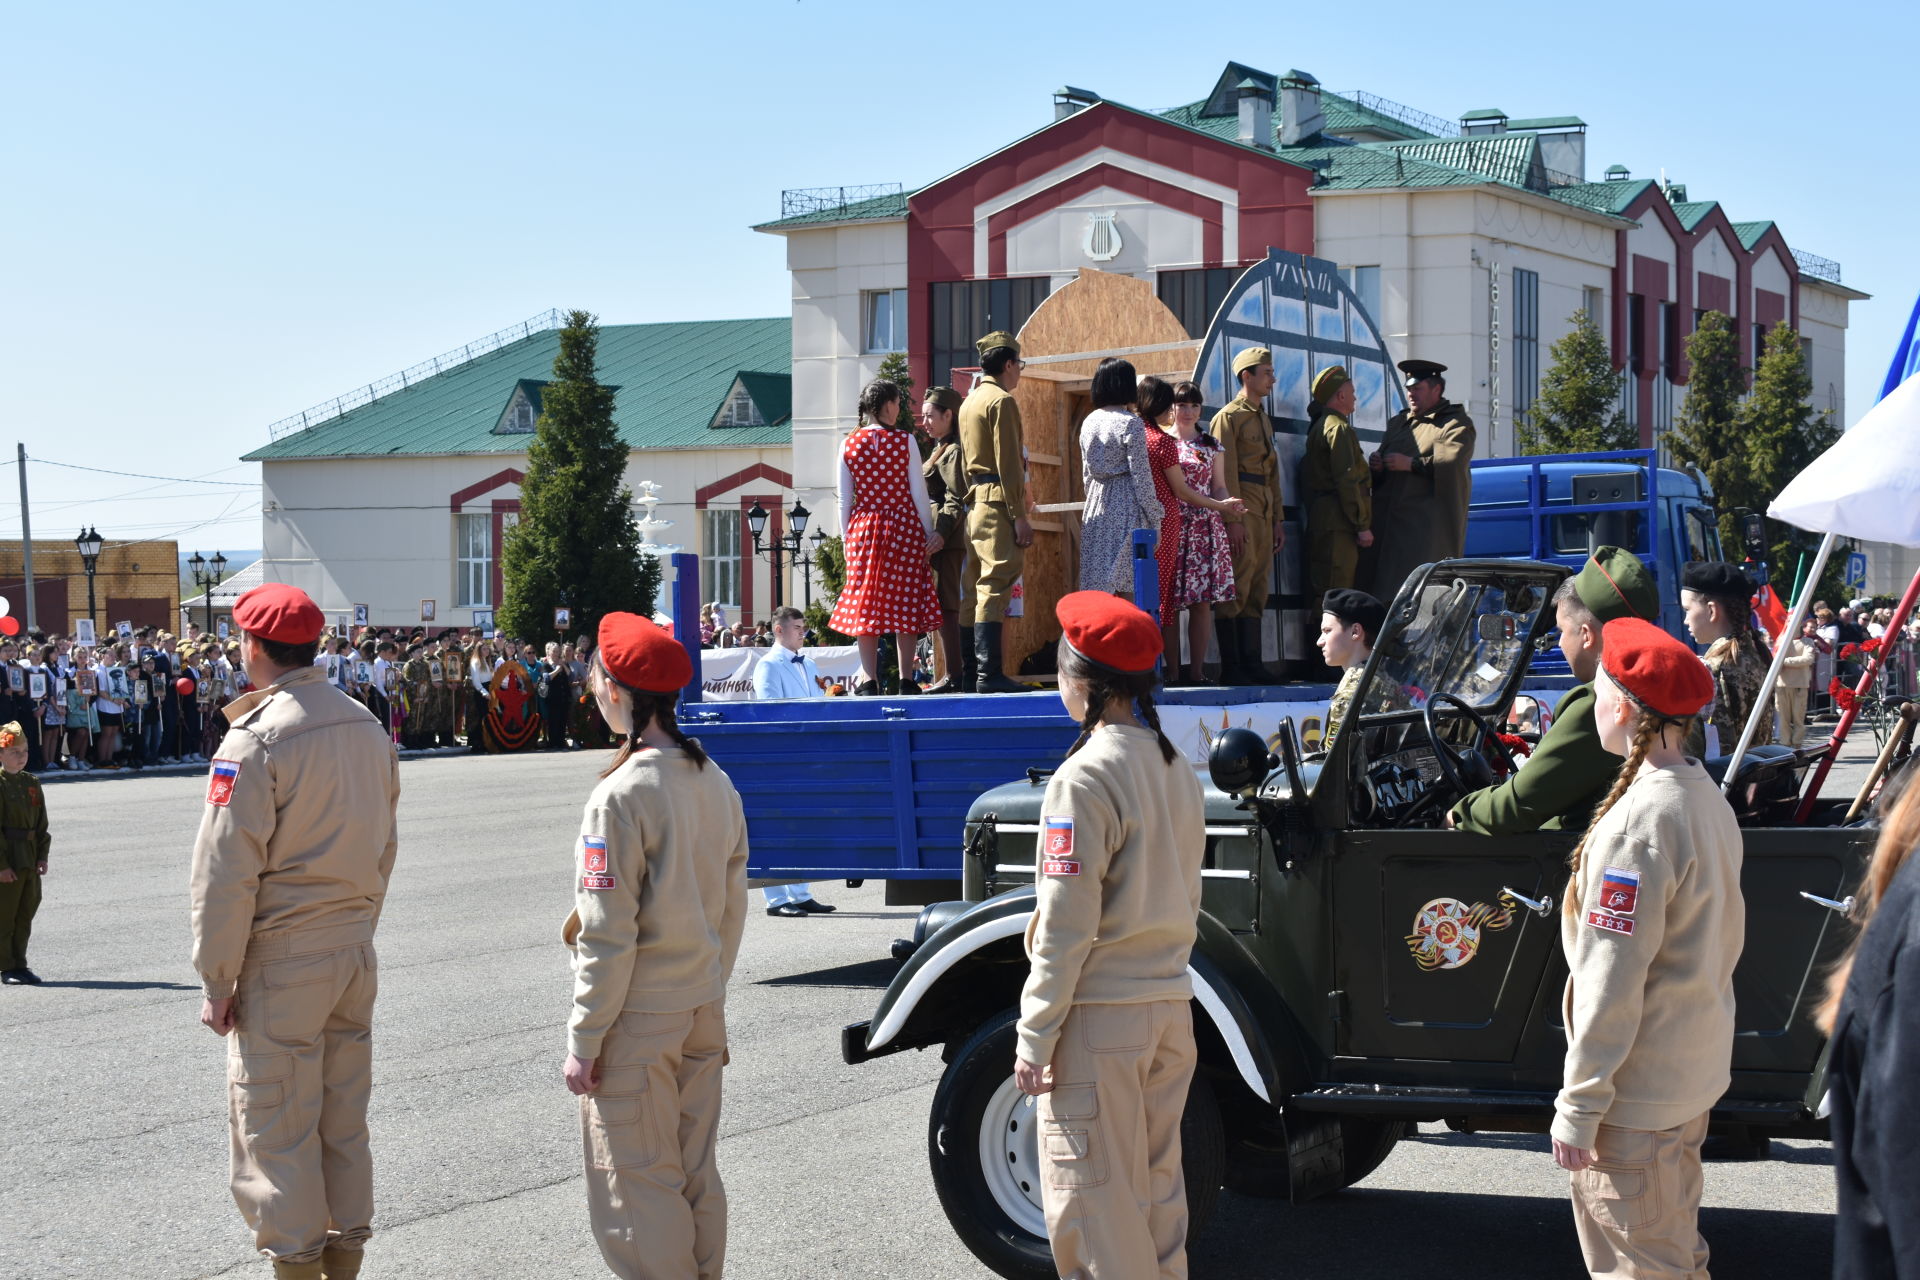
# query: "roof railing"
805,200
328,410
1406,115
1812,264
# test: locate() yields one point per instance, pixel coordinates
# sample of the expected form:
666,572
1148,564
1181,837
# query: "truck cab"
1358,967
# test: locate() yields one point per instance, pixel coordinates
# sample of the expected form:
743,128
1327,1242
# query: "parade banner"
726,675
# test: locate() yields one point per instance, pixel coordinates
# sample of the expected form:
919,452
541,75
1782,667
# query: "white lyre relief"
1102,239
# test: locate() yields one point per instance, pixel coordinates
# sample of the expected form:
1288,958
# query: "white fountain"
649,524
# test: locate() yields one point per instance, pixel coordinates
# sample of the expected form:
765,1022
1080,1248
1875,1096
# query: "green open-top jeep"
1359,967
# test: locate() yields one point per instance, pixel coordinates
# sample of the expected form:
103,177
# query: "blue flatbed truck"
879,788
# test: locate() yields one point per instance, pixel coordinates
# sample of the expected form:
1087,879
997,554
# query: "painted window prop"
1306,313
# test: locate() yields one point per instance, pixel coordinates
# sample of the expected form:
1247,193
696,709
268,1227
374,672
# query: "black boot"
1250,664
1228,639
988,677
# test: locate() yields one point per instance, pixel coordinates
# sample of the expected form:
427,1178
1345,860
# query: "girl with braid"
1718,600
1653,926
659,904
1105,1036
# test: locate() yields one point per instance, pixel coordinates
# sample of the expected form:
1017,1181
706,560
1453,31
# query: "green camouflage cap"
1615,584
998,338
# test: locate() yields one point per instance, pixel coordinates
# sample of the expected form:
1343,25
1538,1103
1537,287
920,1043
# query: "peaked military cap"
1252,358
1615,584
1421,370
998,338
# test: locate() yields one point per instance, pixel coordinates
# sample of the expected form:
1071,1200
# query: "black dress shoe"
813,908
12,978
867,689
788,909
32,979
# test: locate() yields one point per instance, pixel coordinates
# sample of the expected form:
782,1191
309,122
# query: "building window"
886,320
1195,295
739,410
1526,341
473,568
1636,333
720,556
966,310
1594,303
1365,283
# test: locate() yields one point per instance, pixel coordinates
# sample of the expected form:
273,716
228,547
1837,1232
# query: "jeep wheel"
983,1144
1258,1164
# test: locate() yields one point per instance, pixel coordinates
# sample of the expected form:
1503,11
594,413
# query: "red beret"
278,612
1662,674
1110,631
642,656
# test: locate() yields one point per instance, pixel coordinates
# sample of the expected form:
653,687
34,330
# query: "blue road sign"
1856,574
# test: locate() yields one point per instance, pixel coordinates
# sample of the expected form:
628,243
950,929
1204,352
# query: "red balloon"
183,686
9,625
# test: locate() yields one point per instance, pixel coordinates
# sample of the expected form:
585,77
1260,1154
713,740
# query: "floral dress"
1120,497
884,504
1205,573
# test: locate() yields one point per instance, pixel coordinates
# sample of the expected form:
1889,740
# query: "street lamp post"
88,545
775,549
818,540
207,575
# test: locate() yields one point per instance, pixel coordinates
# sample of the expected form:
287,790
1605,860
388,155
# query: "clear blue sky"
220,214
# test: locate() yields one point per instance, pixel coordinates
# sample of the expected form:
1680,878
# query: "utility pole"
26,541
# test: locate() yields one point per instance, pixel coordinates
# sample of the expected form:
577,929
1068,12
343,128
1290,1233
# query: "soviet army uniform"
289,873
990,444
1106,1005
660,904
1737,681
1339,493
946,479
23,846
1563,782
1252,473
1421,515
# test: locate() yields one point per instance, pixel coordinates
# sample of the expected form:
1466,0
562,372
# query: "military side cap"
1327,383
1718,579
1110,632
998,338
11,734
279,612
943,397
1252,358
1615,584
1421,370
1355,608
639,653
1659,672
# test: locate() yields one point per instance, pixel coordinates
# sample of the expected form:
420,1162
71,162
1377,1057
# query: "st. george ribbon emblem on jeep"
1446,932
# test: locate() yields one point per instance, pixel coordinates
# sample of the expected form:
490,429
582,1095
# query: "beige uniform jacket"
1657,928
1123,834
1248,462
660,893
299,830
990,444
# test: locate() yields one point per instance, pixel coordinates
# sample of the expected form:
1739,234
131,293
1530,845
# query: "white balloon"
4,606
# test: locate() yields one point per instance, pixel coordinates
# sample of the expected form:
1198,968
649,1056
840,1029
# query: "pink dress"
1205,574
889,582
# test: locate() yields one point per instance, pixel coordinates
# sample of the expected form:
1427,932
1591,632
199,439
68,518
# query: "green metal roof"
1547,122
1603,197
1692,212
1750,232
673,379
1485,113
885,208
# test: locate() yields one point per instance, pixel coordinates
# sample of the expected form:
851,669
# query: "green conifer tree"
576,544
1578,408
1779,435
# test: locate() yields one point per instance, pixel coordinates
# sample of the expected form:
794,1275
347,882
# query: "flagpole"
1763,704
1875,661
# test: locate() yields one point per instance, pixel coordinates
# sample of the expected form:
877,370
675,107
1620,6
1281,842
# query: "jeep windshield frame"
1462,627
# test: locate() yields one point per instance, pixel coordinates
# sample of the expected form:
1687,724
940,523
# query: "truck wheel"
1258,1164
983,1145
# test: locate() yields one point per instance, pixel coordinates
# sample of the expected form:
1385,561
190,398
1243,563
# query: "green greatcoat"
23,846
1555,790
1339,494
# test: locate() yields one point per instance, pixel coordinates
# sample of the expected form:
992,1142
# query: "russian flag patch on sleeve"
1056,847
1619,890
220,780
593,863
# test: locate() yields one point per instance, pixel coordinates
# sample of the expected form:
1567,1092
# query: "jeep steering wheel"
1455,763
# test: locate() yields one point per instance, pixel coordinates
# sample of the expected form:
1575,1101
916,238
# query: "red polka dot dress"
1163,451
889,582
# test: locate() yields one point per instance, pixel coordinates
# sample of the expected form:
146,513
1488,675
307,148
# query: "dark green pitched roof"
1691,212
672,379
1603,197
1548,122
1750,232
885,208
1505,157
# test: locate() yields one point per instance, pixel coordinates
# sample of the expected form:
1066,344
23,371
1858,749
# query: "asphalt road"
114,1161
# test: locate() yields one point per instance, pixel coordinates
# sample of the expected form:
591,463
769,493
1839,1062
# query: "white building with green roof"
396,496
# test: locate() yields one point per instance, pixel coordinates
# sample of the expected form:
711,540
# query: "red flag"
1771,613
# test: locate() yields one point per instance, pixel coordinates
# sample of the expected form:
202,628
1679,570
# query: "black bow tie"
796,658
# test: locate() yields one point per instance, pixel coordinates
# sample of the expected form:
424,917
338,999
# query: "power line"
140,475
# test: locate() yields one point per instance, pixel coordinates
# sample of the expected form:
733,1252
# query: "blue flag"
1906,356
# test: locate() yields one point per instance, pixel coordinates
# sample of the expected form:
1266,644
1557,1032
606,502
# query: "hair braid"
1646,731
658,708
1097,695
1151,714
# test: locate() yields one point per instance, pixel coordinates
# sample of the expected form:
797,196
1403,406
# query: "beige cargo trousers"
299,1072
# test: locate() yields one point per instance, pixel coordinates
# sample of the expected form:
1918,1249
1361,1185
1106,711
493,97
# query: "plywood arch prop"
1096,315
